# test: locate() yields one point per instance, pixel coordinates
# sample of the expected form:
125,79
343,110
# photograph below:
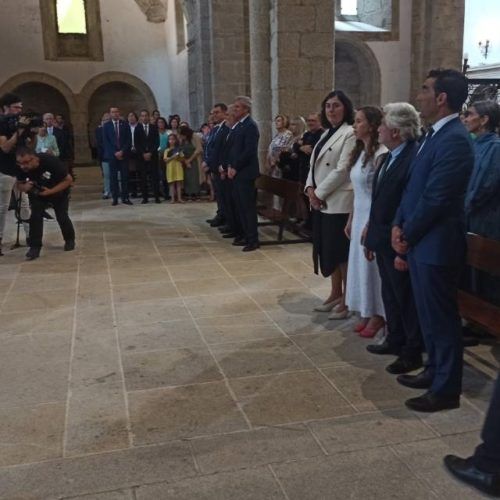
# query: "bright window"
71,16
349,7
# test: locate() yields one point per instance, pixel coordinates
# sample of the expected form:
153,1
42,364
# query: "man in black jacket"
398,131
147,142
243,170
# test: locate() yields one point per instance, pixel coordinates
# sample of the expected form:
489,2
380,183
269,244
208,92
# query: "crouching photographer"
47,181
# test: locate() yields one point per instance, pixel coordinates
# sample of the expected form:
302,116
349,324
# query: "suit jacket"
244,151
431,212
215,148
109,142
329,174
386,197
63,143
226,148
146,143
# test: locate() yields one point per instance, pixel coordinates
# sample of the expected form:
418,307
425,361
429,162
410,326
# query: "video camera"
13,124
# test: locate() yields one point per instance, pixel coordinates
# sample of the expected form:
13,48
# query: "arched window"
71,30
71,16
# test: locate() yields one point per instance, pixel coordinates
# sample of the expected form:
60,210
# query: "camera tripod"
19,220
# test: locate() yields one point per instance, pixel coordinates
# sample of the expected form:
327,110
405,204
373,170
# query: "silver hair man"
404,117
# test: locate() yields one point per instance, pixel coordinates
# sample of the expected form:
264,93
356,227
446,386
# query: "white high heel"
324,308
343,314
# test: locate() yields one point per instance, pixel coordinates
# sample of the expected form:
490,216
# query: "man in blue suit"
243,170
116,144
430,228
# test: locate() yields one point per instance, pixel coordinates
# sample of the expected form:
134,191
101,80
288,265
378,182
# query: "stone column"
230,52
302,54
437,38
260,71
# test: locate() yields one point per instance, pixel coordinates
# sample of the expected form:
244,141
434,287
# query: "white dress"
363,290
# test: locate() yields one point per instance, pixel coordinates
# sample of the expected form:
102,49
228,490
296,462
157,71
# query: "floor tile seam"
420,477
197,466
118,349
278,481
33,405
70,367
224,378
300,349
316,439
207,345
198,346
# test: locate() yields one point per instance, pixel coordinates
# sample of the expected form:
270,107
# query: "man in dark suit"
430,228
147,142
233,227
116,144
398,131
244,170
211,161
482,469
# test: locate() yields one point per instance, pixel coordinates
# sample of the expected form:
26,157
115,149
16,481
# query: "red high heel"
369,333
360,326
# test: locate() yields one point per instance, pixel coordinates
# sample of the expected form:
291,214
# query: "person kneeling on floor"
47,182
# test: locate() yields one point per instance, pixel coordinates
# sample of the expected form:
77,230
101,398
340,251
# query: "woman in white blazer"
331,197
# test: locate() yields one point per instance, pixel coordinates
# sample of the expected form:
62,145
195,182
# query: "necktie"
117,135
427,140
147,130
384,168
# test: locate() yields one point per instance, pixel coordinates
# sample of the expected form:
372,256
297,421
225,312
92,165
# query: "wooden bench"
291,196
483,254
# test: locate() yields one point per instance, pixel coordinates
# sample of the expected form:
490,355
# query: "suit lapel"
333,139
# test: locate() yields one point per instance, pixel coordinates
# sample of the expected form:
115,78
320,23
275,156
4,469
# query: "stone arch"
357,71
112,77
42,78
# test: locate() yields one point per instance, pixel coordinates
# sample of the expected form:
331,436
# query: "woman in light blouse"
46,143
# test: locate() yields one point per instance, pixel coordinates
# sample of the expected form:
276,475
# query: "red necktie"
117,135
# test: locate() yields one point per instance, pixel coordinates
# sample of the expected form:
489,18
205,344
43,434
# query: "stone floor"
159,362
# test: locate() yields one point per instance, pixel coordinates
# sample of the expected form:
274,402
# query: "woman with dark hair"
154,116
330,195
173,124
482,200
192,151
364,287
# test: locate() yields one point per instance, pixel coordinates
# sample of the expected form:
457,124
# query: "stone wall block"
299,18
317,45
289,45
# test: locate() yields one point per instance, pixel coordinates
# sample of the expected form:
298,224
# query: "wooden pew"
483,254
291,195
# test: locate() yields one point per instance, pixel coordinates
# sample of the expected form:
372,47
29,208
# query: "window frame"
56,44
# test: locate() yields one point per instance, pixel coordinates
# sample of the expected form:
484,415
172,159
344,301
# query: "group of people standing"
148,155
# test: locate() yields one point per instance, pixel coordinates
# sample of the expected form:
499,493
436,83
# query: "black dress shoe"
33,253
430,403
127,202
384,348
216,223
114,203
144,201
209,221
157,200
69,245
225,229
239,242
465,470
251,247
229,235
421,381
404,365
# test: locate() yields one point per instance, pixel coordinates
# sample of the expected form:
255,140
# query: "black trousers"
232,216
38,206
245,196
401,313
115,167
487,454
149,170
218,187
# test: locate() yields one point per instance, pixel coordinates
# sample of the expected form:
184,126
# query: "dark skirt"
330,244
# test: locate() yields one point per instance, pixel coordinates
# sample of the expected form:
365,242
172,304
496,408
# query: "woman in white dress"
364,291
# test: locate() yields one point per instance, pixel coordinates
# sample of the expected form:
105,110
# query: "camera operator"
47,181
14,131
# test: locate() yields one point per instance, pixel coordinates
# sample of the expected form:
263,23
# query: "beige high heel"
340,314
328,306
